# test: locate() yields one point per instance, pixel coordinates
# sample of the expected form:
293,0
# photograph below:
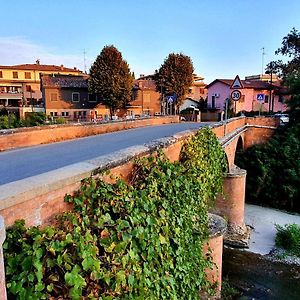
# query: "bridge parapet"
37,199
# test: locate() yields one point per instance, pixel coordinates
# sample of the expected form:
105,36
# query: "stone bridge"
37,199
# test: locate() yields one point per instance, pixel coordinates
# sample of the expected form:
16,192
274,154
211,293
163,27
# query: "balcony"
11,95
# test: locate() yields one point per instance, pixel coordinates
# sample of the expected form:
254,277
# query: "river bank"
263,271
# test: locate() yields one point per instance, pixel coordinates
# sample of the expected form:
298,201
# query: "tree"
291,48
175,76
110,78
290,71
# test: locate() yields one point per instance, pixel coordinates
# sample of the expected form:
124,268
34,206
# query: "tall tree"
290,71
290,47
111,79
175,76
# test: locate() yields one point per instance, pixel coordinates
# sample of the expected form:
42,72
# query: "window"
266,99
92,98
1,74
53,97
15,75
75,97
280,99
53,114
213,101
27,75
65,113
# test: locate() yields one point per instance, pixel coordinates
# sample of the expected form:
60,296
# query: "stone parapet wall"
30,136
39,198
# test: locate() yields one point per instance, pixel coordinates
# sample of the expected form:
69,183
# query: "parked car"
284,118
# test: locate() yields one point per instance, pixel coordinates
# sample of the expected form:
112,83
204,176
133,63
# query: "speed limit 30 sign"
236,95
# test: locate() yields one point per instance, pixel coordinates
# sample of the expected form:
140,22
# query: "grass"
288,238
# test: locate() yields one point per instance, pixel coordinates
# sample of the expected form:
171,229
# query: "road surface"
22,163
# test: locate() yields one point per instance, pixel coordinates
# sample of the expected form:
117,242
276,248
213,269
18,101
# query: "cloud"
18,50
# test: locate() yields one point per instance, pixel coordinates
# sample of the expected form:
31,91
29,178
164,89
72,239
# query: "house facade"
257,95
145,99
67,96
20,85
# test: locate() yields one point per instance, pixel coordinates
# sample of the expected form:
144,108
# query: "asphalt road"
22,163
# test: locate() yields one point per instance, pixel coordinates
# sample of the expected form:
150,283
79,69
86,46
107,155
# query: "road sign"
260,97
170,99
236,95
237,83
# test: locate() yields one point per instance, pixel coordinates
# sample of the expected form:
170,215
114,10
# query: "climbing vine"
136,240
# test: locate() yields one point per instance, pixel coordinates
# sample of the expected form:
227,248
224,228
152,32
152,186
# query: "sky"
223,38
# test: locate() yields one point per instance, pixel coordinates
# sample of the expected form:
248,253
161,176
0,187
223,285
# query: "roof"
65,81
39,67
248,84
144,84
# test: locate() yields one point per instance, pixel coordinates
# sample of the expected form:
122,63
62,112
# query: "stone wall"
39,198
24,137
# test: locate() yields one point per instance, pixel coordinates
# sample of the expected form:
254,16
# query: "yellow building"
20,85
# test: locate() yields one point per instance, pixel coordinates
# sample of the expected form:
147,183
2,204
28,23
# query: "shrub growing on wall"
141,240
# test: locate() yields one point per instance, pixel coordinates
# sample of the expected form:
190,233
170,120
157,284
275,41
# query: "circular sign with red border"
236,95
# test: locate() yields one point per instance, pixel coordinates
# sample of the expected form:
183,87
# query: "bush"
124,241
60,120
273,170
288,238
9,121
35,118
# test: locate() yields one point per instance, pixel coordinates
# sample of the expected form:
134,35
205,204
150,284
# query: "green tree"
175,76
290,71
111,79
290,47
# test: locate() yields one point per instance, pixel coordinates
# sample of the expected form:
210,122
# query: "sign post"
261,99
235,95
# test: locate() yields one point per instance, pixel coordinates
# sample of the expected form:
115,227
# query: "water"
259,278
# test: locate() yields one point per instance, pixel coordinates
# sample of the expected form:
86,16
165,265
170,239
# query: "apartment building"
20,85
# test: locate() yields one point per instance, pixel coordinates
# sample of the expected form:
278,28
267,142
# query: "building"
198,89
67,96
20,85
257,95
146,100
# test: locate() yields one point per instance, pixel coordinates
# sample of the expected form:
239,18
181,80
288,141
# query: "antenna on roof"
84,60
262,59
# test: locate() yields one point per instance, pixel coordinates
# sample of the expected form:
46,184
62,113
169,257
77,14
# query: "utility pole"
262,59
84,60
271,100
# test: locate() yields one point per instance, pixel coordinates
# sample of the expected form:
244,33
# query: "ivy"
136,240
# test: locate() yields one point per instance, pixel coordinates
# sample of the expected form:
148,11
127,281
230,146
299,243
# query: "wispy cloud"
19,50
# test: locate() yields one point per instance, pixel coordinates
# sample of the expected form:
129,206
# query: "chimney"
61,67
75,68
37,61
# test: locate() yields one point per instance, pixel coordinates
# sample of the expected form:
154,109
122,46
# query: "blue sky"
223,37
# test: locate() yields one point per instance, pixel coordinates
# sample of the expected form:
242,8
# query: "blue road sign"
260,97
170,99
